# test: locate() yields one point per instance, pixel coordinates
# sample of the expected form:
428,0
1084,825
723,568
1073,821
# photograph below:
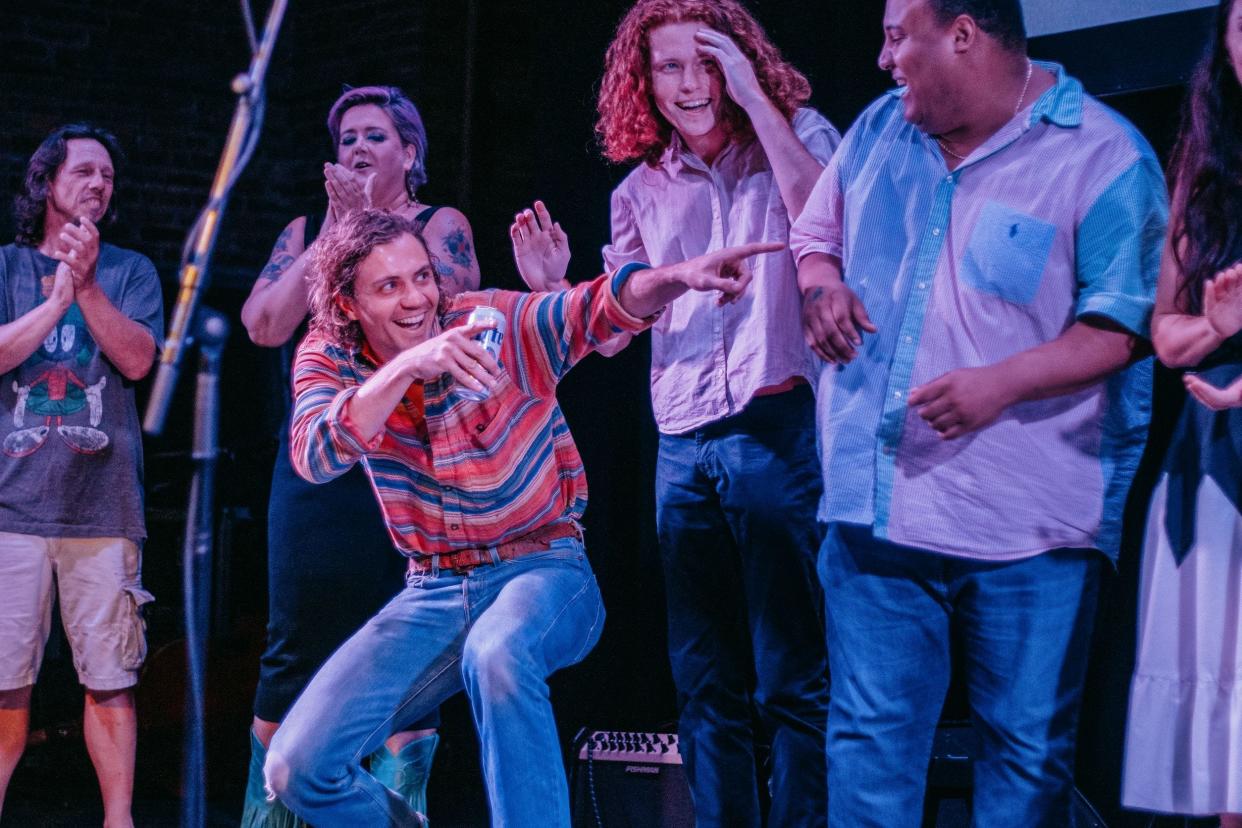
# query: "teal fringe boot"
408,771
258,811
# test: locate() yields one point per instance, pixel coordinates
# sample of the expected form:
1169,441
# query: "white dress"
1184,733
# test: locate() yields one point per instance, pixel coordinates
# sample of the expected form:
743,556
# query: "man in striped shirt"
978,264
483,496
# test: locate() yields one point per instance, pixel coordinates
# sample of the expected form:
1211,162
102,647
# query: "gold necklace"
1030,69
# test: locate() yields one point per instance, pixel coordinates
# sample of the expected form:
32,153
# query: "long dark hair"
31,203
1206,169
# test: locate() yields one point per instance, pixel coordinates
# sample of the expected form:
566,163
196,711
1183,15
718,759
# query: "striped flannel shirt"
1058,216
454,473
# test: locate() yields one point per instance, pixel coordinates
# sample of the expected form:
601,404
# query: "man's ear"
965,33
347,307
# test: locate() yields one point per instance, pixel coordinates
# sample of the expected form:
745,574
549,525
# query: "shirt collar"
1062,104
677,155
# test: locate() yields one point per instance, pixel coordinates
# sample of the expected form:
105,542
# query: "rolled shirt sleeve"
819,227
1118,248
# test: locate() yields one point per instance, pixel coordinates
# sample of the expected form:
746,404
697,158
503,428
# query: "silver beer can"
490,339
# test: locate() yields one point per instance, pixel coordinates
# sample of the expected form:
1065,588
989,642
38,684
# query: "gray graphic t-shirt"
70,440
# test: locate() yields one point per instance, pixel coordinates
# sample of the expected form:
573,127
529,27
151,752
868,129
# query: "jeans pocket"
561,550
134,628
1007,253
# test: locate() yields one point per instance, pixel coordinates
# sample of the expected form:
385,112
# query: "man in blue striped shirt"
978,264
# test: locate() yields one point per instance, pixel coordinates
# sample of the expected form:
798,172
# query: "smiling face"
920,53
82,185
687,87
395,297
369,143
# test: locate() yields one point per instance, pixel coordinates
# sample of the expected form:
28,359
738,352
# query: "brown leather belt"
464,560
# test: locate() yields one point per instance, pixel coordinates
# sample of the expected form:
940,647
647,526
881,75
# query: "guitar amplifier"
629,780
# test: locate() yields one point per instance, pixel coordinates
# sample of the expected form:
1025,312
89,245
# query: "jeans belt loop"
435,567
494,553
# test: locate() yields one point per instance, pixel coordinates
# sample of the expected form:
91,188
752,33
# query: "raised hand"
1222,301
454,352
347,190
540,249
831,318
77,245
1217,399
962,401
739,73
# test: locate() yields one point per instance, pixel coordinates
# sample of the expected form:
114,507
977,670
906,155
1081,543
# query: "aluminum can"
490,339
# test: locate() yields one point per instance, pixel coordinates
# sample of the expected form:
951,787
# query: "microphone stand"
211,330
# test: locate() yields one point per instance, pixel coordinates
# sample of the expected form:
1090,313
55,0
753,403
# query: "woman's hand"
347,191
1222,301
540,249
1217,399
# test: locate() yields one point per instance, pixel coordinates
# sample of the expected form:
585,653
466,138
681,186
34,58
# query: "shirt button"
922,285
897,395
935,231
454,526
909,340
887,450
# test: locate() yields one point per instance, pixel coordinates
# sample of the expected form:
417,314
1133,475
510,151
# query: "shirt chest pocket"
1007,253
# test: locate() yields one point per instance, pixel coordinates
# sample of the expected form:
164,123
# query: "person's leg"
100,584
110,729
770,483
1231,821
708,641
888,652
14,725
1025,628
545,614
25,621
317,598
398,667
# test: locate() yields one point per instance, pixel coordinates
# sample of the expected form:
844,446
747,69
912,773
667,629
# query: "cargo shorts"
99,581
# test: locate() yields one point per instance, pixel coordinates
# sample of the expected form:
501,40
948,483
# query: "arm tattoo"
448,277
280,258
458,247
815,294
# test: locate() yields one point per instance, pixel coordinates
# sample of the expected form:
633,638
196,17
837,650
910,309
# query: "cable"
599,821
248,19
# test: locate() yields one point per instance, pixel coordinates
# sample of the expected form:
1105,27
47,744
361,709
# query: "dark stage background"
507,93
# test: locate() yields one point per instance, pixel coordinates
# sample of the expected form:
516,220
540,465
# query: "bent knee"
496,672
276,775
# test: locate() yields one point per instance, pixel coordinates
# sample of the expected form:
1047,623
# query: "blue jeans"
498,631
1024,629
735,510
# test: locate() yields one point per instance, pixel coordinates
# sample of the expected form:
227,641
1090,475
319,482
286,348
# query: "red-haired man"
694,91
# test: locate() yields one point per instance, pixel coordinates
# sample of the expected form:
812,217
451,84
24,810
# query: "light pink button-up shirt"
708,360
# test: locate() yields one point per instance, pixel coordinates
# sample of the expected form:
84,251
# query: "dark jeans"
1024,628
735,509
